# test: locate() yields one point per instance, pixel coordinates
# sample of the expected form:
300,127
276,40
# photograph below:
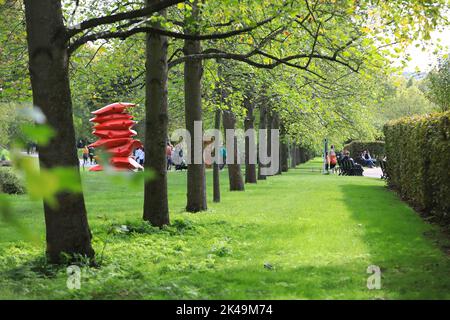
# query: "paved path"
373,173
35,155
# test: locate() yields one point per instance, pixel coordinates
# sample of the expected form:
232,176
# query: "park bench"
347,168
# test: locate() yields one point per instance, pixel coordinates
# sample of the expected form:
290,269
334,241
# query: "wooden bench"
347,168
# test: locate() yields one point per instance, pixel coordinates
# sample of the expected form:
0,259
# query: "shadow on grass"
36,267
412,264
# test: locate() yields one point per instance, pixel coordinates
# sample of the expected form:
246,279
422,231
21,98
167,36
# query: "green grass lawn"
318,233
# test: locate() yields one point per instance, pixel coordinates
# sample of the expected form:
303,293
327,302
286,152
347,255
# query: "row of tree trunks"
67,228
299,155
156,209
66,224
193,71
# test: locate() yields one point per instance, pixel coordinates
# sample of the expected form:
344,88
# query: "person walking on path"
85,155
169,151
332,159
91,155
223,152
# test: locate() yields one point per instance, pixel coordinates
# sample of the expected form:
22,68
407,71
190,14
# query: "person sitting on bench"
347,157
368,161
357,169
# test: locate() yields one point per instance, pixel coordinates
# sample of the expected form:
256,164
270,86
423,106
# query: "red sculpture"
113,127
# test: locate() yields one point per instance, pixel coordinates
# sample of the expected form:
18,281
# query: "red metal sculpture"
113,127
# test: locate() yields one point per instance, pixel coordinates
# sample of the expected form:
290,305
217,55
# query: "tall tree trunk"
302,155
193,71
156,208
284,150
293,156
249,124
216,169
67,228
276,125
269,132
262,126
234,169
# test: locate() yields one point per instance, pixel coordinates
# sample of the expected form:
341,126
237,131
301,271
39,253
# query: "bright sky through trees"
425,60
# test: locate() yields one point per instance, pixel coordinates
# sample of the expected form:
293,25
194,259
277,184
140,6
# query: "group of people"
88,156
32,148
332,159
175,157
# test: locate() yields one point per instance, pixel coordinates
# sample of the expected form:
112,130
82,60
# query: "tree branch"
95,22
125,34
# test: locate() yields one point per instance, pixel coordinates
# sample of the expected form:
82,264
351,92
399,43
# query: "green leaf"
41,134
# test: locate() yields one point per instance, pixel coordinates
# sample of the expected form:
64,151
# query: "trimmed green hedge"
375,148
418,161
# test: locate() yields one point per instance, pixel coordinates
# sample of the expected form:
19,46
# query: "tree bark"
284,150
302,155
293,156
193,71
249,124
276,125
234,169
216,169
269,131
156,208
262,126
67,228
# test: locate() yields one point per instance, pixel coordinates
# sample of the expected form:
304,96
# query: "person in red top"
332,158
169,150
